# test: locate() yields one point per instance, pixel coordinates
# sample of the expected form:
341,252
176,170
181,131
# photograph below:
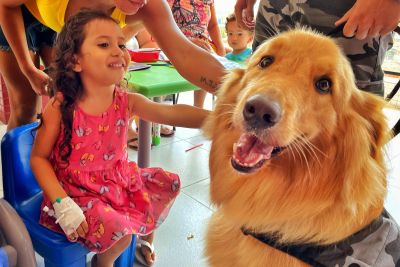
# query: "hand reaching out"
370,18
244,13
38,80
202,43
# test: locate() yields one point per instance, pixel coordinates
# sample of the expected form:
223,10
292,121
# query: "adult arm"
195,64
145,40
12,24
371,18
215,33
177,115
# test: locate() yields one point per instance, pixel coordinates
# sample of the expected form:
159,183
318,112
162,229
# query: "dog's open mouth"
250,153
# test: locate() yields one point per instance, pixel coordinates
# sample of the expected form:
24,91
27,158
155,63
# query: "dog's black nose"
261,112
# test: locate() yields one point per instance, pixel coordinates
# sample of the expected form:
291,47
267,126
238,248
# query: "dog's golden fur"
327,184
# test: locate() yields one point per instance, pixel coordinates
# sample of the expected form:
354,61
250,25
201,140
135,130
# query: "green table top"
158,81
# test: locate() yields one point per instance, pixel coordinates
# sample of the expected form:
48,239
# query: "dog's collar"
311,253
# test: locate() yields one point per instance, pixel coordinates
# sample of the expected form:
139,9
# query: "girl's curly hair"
64,79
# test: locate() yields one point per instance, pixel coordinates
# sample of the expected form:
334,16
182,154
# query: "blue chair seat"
24,194
43,238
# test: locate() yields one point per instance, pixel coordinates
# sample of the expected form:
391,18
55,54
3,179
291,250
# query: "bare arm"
145,40
371,18
45,139
177,115
214,32
130,31
195,64
12,24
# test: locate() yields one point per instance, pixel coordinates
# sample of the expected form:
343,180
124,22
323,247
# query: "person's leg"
23,100
107,258
199,97
47,55
149,256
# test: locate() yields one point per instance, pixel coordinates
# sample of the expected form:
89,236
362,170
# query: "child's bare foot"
145,250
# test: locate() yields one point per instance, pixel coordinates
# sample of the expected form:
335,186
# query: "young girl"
24,36
79,156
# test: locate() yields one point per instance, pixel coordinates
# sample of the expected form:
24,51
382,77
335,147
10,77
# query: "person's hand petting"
202,43
370,18
245,14
38,80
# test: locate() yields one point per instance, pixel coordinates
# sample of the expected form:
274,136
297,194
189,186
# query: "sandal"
166,132
138,251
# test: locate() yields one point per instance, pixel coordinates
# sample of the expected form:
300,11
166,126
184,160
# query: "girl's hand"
38,80
70,217
80,232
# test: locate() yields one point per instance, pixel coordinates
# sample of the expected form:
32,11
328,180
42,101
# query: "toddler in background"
92,192
238,39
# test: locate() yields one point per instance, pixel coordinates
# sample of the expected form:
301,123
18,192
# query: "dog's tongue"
249,150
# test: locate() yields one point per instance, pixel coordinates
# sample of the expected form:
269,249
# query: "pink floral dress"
117,197
192,17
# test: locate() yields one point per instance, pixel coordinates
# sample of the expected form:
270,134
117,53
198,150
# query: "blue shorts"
37,35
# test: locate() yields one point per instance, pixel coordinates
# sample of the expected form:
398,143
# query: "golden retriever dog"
297,169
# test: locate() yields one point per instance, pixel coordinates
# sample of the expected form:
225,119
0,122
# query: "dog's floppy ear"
370,107
365,110
226,102
362,132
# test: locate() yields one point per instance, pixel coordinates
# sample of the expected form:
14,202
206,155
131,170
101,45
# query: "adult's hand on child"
370,18
38,80
244,13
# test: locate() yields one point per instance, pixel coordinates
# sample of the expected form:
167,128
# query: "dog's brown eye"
266,61
323,85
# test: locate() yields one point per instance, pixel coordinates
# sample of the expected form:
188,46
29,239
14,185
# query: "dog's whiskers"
307,145
292,152
298,147
314,147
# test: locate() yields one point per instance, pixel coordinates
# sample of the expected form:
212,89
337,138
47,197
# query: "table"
159,80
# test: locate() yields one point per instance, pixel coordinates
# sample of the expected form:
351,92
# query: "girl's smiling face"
103,57
130,7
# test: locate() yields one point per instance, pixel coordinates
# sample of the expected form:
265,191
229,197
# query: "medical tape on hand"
68,214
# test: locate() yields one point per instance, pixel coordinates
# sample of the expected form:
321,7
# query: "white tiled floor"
179,241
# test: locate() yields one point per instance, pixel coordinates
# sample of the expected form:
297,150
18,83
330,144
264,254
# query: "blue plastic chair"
24,194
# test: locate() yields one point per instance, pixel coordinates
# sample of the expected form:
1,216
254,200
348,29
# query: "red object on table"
144,55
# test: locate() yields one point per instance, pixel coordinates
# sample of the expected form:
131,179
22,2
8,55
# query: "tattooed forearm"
209,83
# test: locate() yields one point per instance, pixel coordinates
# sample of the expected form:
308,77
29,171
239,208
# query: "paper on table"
138,66
163,57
